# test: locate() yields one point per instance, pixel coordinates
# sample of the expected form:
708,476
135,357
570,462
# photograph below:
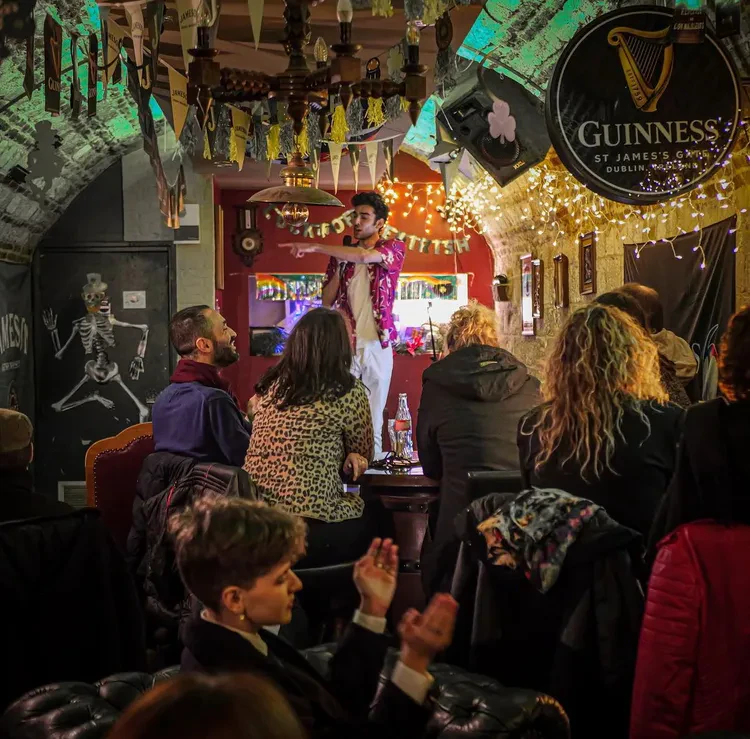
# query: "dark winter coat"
336,707
471,404
70,608
577,642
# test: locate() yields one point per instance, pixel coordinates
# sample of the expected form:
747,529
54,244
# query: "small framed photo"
560,286
537,288
587,263
527,296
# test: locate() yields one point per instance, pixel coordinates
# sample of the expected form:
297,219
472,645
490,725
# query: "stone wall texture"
511,237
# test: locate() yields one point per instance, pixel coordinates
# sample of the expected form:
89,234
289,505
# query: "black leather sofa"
467,705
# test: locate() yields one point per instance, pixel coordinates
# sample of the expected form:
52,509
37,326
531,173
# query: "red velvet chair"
112,468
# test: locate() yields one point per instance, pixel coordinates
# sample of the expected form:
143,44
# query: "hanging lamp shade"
298,188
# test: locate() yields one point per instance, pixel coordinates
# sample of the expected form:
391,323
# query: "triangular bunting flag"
93,61
28,78
371,150
388,153
103,15
238,141
256,18
115,35
188,12
316,165
76,96
178,98
335,152
154,16
449,170
354,159
52,65
134,14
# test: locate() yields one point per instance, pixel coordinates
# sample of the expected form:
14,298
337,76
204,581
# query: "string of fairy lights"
554,204
424,199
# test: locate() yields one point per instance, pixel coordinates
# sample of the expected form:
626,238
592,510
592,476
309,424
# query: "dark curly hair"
375,201
734,357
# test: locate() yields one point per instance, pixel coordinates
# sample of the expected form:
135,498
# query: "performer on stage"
361,281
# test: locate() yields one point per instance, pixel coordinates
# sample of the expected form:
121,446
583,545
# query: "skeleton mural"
96,330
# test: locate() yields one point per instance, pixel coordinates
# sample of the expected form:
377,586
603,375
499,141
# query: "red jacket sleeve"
667,650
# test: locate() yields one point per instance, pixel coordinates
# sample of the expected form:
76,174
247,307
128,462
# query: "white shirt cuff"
371,623
414,684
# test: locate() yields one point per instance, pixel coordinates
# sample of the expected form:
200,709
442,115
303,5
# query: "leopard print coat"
296,455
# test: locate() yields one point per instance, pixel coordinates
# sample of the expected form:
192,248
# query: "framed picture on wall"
527,296
537,288
560,286
587,263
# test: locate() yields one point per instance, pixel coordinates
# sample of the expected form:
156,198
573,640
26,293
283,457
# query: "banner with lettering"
16,356
178,98
52,65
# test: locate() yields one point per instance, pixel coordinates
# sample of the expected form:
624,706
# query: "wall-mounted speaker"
466,120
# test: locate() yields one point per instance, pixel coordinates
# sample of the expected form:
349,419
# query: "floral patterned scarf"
535,531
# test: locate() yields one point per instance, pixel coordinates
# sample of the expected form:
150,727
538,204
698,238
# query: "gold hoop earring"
242,616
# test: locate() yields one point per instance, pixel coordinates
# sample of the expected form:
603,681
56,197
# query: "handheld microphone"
347,240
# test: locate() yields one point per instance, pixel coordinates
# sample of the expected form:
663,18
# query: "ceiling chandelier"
298,86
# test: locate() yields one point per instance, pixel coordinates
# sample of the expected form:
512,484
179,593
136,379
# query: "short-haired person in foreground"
236,557
197,415
18,500
205,707
361,281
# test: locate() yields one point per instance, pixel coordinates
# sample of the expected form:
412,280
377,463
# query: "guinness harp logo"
637,118
646,58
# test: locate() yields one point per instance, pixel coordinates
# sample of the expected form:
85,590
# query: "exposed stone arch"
88,145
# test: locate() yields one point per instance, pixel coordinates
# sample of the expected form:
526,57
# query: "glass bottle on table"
403,428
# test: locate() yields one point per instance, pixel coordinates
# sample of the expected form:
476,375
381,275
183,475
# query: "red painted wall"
407,370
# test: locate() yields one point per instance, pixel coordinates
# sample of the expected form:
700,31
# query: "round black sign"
636,117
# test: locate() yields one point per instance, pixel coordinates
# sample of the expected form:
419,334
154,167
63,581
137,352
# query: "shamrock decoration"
502,123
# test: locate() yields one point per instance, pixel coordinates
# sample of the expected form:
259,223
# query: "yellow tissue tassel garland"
274,142
206,147
383,8
301,142
433,9
405,104
375,114
339,127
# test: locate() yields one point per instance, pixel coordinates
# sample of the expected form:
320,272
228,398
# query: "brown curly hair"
472,324
602,362
734,357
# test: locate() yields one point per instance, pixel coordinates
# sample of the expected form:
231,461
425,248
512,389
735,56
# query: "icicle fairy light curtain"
554,204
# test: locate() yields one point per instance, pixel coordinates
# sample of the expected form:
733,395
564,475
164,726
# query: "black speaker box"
466,121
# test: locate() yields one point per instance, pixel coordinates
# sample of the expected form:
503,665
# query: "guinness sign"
637,118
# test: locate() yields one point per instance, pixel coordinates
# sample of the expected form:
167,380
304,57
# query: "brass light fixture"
298,86
297,193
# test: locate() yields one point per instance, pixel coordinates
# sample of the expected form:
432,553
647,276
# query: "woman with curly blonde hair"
472,400
606,431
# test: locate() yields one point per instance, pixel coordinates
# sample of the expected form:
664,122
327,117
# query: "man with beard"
361,281
198,416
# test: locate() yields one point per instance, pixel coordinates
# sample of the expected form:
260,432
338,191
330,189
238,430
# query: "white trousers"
373,364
